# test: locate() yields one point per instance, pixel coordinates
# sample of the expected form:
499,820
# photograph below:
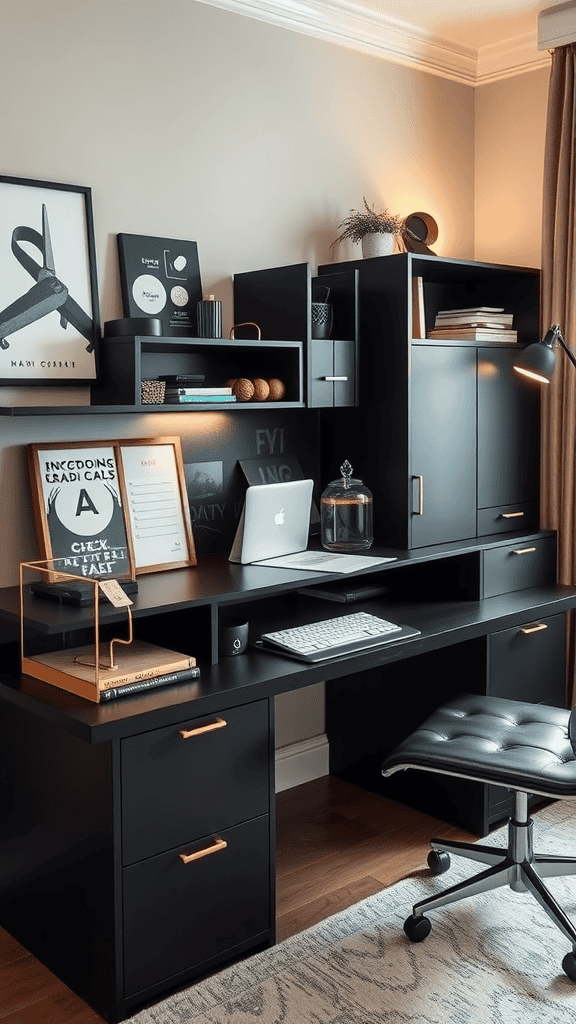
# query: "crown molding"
359,28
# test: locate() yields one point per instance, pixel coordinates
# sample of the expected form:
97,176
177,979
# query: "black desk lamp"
538,360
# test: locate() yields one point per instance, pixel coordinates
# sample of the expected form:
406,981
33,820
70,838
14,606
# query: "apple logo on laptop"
279,518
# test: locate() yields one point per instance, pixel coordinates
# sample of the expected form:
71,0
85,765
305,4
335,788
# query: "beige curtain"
558,502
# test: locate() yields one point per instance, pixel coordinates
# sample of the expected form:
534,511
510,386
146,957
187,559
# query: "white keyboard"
345,634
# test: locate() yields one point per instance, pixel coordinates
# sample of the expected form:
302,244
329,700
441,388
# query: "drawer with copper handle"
193,778
508,518
515,566
527,662
198,902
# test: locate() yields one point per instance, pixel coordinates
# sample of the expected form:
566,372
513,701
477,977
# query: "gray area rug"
493,958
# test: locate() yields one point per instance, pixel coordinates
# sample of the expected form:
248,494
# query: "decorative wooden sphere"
243,389
261,389
277,389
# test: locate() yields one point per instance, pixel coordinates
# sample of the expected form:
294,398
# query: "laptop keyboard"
345,634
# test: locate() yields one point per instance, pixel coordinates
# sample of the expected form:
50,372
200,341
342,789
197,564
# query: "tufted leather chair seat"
508,743
529,748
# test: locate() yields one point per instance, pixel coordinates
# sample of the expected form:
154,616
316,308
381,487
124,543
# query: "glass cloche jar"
346,521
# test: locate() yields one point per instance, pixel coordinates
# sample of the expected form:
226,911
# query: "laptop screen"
275,521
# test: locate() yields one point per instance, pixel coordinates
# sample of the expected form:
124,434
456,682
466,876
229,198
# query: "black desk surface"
257,674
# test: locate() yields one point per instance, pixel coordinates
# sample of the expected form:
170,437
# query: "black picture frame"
49,308
160,278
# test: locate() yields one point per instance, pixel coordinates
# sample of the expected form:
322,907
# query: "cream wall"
510,126
189,121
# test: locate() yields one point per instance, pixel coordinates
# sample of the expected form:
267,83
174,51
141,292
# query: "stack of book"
477,323
189,388
138,666
190,395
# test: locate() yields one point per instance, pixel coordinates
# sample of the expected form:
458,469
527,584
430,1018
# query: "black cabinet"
434,411
279,301
443,448
127,361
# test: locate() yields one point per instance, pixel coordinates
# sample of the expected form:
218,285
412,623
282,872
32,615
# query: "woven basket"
152,392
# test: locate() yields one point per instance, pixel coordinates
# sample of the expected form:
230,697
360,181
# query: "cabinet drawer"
507,518
519,565
528,662
176,787
178,915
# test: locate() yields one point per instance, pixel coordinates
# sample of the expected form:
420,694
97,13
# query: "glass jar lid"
346,489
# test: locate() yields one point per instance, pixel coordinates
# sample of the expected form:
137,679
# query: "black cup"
232,636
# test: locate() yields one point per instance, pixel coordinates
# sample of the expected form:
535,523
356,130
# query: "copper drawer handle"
511,515
218,844
218,723
536,628
523,551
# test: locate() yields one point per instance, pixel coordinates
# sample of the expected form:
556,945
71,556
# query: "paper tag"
113,591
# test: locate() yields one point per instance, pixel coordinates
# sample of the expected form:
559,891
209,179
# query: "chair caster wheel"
569,965
417,928
438,861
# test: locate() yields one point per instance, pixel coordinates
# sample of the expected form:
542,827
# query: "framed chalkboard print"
49,313
156,498
111,508
79,509
160,277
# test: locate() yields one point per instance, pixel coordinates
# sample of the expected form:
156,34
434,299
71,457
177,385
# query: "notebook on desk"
273,531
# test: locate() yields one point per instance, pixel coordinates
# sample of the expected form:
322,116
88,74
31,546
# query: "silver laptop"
275,521
274,527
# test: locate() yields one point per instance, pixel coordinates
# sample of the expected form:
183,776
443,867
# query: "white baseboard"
301,762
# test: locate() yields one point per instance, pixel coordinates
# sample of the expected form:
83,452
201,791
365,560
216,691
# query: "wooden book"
74,669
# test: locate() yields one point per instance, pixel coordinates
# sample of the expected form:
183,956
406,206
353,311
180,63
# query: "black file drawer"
526,563
508,518
175,789
178,915
528,662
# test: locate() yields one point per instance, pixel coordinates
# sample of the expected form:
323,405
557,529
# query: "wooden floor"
335,845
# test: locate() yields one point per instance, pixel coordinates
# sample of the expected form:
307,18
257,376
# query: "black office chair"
529,748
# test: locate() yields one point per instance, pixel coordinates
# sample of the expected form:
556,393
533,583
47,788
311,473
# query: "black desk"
102,802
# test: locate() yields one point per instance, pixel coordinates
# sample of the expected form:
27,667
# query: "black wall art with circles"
160,277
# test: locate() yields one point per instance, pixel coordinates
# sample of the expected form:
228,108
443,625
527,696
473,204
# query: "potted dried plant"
376,231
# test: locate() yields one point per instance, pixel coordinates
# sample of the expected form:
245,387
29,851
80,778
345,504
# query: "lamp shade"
536,362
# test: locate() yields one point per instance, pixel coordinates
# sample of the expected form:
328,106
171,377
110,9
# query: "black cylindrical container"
209,314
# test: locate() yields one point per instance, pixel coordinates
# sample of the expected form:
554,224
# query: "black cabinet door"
180,913
508,432
528,662
443,441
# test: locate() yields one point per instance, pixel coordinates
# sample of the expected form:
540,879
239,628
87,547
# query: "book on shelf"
471,309
469,320
74,668
472,334
172,391
190,399
185,380
418,315
150,684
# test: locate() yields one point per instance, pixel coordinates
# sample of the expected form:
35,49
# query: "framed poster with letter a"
79,509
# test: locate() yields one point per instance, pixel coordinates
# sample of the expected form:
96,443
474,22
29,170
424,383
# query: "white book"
199,391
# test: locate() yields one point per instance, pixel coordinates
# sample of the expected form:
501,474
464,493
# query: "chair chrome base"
517,866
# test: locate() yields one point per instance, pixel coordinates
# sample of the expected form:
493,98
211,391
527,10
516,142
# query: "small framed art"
160,277
49,312
157,503
79,509
111,508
